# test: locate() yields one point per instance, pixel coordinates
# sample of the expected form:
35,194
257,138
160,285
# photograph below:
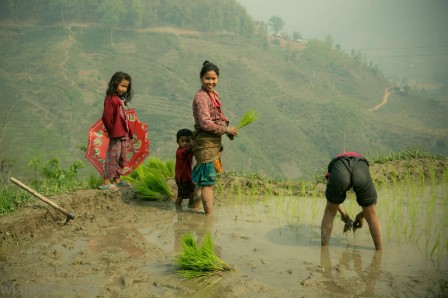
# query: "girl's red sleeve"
108,114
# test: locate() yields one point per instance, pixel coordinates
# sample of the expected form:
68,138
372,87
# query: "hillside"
313,102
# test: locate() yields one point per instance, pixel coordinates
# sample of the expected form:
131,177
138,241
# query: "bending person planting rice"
210,125
345,171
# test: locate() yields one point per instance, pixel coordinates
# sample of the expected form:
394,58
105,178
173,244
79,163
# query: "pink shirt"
207,112
355,154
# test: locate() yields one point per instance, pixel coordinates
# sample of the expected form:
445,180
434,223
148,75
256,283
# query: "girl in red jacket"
118,94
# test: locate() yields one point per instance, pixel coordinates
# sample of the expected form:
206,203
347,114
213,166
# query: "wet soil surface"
118,246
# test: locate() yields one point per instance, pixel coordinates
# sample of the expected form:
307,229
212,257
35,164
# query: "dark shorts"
347,172
185,189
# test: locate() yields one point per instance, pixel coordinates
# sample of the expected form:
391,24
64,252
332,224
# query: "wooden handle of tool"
38,195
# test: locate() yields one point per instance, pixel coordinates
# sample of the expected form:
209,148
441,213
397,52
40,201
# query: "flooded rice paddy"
118,247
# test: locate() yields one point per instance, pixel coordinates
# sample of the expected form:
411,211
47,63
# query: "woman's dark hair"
113,84
208,66
184,132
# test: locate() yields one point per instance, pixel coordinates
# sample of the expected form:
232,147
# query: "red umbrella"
98,141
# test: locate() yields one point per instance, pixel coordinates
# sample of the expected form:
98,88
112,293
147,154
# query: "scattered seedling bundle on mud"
200,262
150,179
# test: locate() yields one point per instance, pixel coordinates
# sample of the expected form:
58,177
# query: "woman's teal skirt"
204,174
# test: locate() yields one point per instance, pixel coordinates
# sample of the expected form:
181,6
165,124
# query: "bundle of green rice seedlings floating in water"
247,119
200,262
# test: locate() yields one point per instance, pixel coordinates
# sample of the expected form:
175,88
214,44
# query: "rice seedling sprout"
247,119
150,179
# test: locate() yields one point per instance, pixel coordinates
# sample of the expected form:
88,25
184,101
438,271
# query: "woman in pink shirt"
210,125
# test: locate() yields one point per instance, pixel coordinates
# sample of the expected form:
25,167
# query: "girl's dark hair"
208,66
113,84
184,132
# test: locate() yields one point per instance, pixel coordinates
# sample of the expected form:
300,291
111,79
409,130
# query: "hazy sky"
412,27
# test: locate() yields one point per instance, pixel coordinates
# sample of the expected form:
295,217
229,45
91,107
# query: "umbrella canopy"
98,141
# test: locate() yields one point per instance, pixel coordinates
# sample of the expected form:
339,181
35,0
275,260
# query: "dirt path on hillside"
118,246
387,93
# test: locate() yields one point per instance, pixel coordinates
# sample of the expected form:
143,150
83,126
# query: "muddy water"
273,244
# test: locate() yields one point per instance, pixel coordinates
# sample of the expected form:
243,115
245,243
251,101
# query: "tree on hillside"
135,13
276,24
296,35
111,12
66,8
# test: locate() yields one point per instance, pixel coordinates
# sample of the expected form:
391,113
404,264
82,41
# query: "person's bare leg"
207,199
374,225
197,198
106,182
327,222
178,201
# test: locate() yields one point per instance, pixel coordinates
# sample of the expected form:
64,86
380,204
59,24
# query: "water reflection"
191,222
339,277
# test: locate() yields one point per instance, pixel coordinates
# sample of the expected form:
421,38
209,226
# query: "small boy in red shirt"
183,169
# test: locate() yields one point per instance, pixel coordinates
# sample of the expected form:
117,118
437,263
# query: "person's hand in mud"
346,219
359,220
348,222
231,132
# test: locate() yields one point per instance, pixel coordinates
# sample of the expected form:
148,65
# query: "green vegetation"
200,262
314,99
408,210
217,16
150,179
11,198
406,155
49,179
247,119
411,184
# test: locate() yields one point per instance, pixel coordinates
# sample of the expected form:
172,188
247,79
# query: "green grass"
406,155
11,198
49,179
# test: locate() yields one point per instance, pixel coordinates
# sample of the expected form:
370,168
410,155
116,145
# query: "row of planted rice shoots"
413,207
417,210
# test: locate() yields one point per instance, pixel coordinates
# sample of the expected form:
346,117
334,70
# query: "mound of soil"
419,169
37,218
